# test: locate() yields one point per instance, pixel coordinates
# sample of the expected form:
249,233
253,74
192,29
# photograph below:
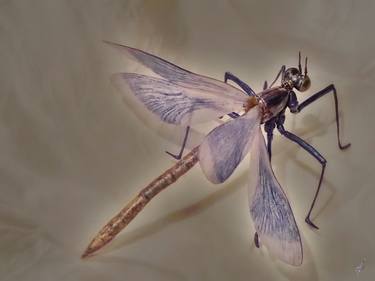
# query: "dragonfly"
180,97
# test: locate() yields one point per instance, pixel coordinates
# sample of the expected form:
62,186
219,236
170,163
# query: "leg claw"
256,240
343,147
177,157
310,223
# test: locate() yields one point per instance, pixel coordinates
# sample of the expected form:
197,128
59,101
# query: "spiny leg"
316,155
329,89
179,155
239,82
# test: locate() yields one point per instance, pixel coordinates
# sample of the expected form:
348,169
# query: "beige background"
72,153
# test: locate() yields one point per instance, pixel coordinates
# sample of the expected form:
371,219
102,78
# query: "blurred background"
72,153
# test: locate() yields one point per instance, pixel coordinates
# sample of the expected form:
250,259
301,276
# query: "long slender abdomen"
131,210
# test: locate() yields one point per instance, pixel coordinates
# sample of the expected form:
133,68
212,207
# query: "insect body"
180,97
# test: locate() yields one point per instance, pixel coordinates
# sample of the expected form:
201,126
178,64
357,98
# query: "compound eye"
304,84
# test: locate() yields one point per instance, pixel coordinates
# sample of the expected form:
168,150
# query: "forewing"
180,76
174,103
225,146
270,209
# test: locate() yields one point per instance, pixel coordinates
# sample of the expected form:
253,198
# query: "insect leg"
330,89
269,126
239,82
316,155
179,155
281,72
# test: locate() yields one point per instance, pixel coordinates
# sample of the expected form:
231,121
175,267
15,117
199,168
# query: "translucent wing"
178,96
270,210
173,103
226,145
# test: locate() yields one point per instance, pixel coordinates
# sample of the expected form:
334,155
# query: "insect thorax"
272,102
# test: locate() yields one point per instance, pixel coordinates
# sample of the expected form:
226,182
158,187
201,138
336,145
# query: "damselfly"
178,96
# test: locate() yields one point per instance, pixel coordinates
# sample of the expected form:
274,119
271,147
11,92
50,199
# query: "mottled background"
72,153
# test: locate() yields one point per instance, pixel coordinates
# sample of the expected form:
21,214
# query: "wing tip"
109,42
113,44
129,51
119,79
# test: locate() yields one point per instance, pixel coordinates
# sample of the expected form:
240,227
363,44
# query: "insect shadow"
130,265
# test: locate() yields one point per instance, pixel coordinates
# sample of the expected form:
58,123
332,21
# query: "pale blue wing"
180,76
225,146
174,103
270,209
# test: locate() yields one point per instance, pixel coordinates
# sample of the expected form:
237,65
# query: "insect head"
295,78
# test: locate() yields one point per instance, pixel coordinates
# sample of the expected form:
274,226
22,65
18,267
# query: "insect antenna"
299,62
306,66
